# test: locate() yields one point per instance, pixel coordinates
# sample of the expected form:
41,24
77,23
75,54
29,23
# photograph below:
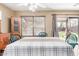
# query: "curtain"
55,32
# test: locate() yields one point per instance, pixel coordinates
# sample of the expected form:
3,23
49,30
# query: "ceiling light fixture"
31,6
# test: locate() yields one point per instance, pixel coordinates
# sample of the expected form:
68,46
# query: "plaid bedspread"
38,48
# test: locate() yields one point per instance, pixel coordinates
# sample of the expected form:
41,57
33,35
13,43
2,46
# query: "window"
27,26
0,15
0,20
32,26
65,22
39,25
61,26
73,24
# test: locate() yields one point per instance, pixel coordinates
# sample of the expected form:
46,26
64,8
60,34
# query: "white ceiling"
44,6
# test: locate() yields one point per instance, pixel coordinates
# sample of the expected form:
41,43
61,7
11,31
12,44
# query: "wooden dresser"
4,40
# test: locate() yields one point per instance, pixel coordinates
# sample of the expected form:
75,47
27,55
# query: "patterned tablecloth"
38,47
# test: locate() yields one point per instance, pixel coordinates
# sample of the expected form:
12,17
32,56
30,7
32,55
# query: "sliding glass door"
27,26
65,22
73,24
32,26
39,25
61,25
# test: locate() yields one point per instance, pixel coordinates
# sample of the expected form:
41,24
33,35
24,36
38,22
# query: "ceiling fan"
32,6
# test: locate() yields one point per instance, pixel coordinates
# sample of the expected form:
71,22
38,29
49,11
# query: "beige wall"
46,14
49,17
7,13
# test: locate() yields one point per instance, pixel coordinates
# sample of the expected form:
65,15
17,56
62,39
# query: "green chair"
13,38
42,34
72,40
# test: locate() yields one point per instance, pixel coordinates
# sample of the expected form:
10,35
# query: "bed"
39,46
